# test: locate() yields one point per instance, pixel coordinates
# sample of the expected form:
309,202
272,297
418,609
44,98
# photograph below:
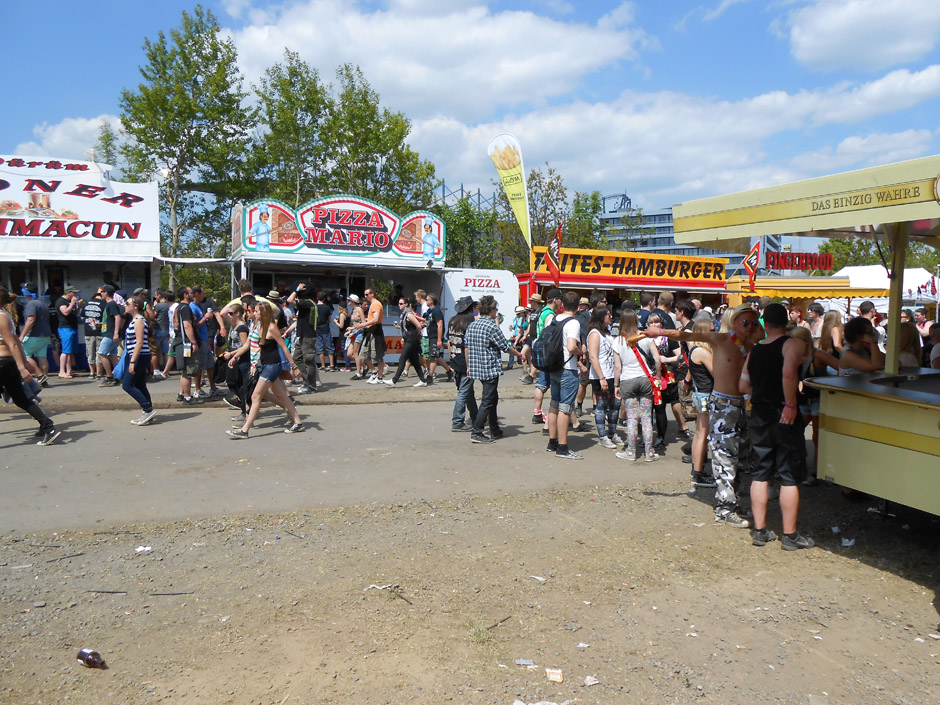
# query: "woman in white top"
603,375
910,355
636,384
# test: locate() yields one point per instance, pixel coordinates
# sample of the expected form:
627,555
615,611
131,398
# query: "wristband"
788,405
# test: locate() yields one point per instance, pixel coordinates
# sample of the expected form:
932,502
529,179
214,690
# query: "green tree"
585,228
186,122
853,251
470,235
634,230
288,153
108,145
366,151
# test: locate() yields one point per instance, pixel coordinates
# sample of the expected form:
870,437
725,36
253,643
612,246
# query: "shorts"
188,366
600,395
425,346
373,348
162,340
434,352
107,347
203,355
357,337
636,388
671,393
92,344
564,385
68,337
810,406
777,449
543,382
324,344
700,401
271,373
584,378
36,347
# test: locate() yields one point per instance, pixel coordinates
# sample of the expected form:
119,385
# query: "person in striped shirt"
137,349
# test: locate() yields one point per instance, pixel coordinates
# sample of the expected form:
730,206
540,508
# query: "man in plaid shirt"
484,344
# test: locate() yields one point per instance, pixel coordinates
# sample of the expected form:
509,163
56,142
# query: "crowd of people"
737,372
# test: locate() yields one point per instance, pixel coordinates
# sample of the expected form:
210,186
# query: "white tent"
874,276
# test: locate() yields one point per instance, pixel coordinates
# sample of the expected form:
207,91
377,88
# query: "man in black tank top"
778,448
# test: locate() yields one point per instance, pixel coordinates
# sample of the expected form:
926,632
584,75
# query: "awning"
801,288
197,261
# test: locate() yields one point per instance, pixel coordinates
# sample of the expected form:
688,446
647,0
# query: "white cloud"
863,34
461,59
69,139
717,12
860,151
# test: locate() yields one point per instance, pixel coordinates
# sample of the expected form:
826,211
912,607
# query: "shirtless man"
372,351
14,372
726,406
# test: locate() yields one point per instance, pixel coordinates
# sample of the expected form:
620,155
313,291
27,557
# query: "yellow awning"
802,288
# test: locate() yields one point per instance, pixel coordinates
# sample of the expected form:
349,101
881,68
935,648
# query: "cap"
743,308
140,291
707,309
108,289
585,301
520,309
776,315
118,299
72,290
553,294
353,298
464,304
31,287
537,298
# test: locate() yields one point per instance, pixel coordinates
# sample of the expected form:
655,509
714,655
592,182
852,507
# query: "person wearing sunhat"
67,310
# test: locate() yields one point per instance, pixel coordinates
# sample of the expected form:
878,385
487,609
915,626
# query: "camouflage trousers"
727,439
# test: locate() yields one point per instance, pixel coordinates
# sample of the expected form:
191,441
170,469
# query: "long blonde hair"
703,326
265,316
910,339
806,336
832,319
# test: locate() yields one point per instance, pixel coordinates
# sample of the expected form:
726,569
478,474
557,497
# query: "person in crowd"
831,336
373,341
664,310
484,345
516,331
861,353
111,323
465,406
341,321
796,317
670,354
421,311
67,311
354,334
703,383
529,372
14,371
434,327
923,325
727,416
161,334
324,340
36,334
564,382
647,306
137,350
305,350
238,371
910,349
170,298
935,350
637,370
866,309
186,345
410,328
814,363
204,313
586,308
603,374
814,316
778,451
264,341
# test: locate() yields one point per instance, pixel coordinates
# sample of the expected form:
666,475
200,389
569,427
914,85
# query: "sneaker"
570,455
732,519
683,433
419,383
201,394
450,376
405,373
237,434
618,439
48,437
295,428
107,382
538,418
374,379
240,418
461,428
304,389
192,401
605,442
651,457
788,544
389,382
356,376
216,392
145,418
158,375
578,429
480,438
44,380
626,454
762,537
527,379
180,397
579,410
232,401
552,447
687,459
496,433
319,384
428,382
700,480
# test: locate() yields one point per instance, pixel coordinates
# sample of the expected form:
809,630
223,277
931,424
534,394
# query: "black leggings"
659,412
12,383
410,352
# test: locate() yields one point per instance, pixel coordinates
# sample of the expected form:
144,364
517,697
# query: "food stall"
608,270
799,290
878,432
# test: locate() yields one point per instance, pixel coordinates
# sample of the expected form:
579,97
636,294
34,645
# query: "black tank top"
268,354
701,377
766,370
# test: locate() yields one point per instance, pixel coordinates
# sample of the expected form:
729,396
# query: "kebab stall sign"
338,228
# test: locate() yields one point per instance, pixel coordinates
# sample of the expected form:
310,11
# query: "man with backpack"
564,380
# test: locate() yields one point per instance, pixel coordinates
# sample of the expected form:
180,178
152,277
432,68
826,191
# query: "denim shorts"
324,344
162,340
543,382
564,386
270,373
700,400
68,337
107,347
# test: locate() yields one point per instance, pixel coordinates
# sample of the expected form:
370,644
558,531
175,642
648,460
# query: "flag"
933,286
553,255
752,262
506,154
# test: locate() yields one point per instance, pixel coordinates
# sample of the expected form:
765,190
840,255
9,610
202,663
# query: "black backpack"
548,350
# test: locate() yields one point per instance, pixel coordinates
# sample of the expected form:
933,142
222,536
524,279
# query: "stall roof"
803,287
853,204
200,261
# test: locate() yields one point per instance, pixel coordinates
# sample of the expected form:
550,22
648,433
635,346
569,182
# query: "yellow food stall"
878,432
797,289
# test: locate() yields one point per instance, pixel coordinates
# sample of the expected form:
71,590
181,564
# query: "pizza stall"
878,432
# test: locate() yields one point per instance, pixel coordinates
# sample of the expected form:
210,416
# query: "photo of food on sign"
39,206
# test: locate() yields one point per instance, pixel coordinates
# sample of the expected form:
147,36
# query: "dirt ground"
620,579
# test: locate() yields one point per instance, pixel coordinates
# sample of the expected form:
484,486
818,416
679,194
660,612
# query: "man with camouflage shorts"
727,436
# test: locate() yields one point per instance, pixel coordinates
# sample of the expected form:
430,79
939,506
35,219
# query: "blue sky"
668,101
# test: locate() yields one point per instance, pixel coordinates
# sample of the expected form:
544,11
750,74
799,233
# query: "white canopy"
874,276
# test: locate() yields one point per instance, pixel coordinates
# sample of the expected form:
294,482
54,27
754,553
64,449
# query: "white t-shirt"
570,329
934,353
630,367
605,354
